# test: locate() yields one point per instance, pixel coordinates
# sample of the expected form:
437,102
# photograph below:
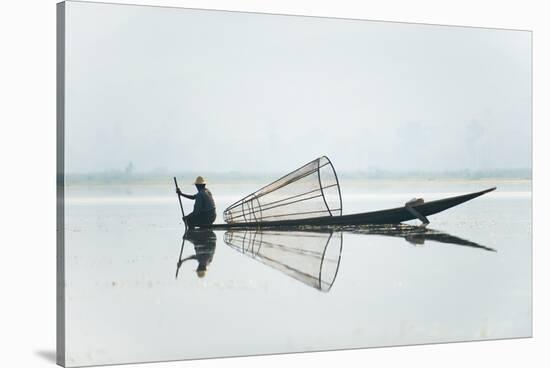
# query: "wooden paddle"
181,205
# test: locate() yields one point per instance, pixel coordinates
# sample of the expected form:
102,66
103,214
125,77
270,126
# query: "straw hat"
200,180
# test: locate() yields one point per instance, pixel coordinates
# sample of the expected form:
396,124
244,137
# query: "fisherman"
204,210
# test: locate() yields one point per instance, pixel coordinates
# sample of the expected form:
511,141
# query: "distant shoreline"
164,180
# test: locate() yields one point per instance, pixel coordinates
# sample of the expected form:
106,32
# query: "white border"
27,115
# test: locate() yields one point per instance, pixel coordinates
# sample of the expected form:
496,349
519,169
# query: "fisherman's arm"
194,256
180,262
188,196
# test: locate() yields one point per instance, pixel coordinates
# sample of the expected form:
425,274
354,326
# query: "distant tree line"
129,176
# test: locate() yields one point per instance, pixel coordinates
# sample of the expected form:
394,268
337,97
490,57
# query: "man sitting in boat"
204,211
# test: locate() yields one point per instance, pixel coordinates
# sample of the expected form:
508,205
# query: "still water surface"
468,277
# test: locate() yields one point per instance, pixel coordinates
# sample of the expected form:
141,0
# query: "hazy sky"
179,90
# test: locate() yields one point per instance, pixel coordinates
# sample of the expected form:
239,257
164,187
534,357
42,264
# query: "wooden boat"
310,196
388,216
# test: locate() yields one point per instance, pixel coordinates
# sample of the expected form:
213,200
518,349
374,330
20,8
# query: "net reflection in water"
310,257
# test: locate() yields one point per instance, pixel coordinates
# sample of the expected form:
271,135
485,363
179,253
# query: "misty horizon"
372,174
207,91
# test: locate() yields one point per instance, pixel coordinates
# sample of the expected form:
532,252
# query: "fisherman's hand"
179,191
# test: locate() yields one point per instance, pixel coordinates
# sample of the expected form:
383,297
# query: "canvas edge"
60,183
60,175
293,14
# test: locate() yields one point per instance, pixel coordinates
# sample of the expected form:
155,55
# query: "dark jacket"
204,202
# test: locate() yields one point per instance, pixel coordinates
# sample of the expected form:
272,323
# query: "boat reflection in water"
204,242
416,235
311,257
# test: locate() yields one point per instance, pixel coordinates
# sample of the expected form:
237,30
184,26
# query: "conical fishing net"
310,191
310,257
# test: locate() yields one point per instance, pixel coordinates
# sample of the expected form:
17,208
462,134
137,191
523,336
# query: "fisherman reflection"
204,241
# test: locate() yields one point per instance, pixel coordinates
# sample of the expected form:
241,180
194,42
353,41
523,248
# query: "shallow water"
125,304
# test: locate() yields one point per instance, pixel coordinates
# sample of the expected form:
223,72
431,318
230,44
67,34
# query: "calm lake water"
273,293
